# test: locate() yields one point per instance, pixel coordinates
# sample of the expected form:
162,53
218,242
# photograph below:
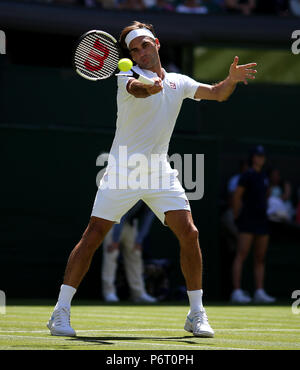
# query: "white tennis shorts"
111,204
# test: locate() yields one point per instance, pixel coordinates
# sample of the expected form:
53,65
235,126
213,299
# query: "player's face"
144,51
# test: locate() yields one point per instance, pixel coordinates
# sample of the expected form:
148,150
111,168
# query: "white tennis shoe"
59,323
197,323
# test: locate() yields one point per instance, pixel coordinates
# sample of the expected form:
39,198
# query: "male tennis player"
146,119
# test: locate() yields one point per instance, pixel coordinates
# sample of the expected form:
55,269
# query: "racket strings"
83,52
89,41
108,67
97,56
86,47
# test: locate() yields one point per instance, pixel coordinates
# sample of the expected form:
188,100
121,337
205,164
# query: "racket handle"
143,79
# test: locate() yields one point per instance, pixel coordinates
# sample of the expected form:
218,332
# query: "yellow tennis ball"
125,64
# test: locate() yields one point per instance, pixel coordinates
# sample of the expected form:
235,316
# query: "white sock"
65,295
195,298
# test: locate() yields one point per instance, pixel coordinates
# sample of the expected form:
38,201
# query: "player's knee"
193,235
93,236
190,235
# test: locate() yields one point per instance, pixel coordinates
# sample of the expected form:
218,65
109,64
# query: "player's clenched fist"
156,88
140,90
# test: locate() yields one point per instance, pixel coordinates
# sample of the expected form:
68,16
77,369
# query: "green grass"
151,327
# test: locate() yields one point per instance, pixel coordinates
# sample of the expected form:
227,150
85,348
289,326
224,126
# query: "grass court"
156,327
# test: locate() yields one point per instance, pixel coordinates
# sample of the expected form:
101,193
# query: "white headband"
136,33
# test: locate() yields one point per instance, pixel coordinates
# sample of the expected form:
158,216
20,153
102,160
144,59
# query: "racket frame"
139,77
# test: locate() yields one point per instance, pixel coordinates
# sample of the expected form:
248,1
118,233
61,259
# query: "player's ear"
157,43
130,56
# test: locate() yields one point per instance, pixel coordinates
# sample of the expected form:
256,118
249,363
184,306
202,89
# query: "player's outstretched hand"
243,72
156,88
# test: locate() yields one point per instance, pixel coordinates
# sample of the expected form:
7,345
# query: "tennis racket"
96,57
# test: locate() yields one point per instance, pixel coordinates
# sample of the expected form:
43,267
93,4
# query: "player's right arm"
140,90
237,201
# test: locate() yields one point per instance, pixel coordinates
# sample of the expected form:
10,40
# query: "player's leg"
182,225
109,206
171,206
77,266
260,249
81,256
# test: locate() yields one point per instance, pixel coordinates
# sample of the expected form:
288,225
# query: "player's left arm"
224,89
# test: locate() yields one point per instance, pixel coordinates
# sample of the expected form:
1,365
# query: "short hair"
134,26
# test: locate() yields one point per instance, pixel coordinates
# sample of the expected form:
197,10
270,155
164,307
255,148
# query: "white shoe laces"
200,318
62,317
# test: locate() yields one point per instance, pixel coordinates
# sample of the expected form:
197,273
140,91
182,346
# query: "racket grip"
142,79
145,80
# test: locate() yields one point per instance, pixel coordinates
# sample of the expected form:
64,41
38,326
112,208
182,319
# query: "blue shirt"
255,195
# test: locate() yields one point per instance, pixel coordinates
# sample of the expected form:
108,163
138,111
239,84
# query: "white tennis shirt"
145,125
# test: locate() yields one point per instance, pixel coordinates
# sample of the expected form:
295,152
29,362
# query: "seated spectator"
149,4
131,4
215,6
280,207
245,7
90,3
192,7
272,7
295,7
107,4
283,7
161,6
64,2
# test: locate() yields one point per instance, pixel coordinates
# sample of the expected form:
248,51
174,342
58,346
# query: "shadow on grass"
105,340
